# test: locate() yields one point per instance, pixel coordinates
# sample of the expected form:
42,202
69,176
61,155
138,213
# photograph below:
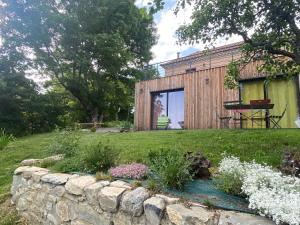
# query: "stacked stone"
55,198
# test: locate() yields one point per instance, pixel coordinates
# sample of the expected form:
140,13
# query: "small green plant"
5,139
103,176
171,167
99,157
153,185
137,183
93,129
66,143
229,183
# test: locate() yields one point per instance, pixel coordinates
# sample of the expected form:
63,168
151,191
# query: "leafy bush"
5,139
68,165
66,143
171,167
131,171
269,192
93,129
99,157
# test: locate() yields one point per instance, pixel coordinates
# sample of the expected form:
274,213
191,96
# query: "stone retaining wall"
55,198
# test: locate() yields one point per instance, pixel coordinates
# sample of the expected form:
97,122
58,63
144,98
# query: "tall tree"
269,28
89,46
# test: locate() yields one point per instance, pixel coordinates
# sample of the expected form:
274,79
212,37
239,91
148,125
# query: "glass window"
176,109
159,107
168,110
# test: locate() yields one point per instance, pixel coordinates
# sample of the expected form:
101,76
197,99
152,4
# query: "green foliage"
101,70
171,167
47,163
68,165
137,183
229,183
65,142
232,76
273,27
103,176
99,157
118,124
5,139
126,125
24,110
153,185
93,129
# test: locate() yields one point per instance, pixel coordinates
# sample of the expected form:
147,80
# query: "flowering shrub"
131,171
269,192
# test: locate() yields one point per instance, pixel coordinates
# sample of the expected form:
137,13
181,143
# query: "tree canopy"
91,47
270,30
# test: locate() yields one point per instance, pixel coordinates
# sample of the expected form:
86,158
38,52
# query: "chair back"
163,122
283,113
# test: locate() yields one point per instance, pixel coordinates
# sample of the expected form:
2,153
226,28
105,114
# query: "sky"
167,23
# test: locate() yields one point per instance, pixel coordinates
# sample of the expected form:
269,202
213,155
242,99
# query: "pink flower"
131,171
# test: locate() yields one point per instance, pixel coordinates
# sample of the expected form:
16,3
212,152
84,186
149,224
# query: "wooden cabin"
191,95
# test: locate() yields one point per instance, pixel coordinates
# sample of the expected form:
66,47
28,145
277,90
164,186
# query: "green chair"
162,122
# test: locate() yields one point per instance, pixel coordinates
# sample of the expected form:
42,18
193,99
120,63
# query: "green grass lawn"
262,145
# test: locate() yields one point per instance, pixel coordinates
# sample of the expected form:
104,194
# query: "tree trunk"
93,113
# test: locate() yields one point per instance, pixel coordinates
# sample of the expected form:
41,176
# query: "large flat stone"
57,178
36,176
154,210
235,218
86,213
76,185
30,162
132,202
27,171
109,198
92,192
120,183
180,215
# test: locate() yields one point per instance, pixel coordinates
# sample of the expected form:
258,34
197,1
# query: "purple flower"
131,171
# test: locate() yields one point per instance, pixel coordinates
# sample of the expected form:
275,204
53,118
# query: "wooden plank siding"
202,100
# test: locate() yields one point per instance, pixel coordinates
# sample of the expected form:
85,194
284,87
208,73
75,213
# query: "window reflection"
168,110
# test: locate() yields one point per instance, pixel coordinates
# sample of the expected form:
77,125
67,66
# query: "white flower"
269,192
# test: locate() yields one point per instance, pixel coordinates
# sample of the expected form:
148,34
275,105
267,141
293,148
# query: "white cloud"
142,3
167,24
